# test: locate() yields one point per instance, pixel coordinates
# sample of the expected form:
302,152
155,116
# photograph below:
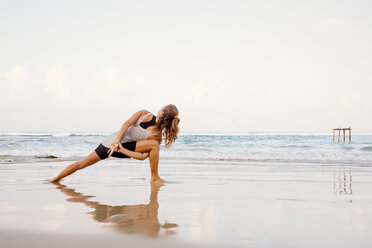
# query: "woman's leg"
153,147
89,160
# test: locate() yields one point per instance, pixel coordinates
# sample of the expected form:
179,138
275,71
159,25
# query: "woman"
139,137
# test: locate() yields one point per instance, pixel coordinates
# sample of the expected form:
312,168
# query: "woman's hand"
120,148
114,148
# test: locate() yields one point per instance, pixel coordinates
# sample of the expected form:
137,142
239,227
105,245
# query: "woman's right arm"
115,145
132,154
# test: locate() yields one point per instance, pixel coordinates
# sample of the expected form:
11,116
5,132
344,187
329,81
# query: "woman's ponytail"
168,124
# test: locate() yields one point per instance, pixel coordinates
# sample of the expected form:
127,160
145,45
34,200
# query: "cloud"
65,88
12,80
13,86
111,79
17,73
111,87
204,93
55,82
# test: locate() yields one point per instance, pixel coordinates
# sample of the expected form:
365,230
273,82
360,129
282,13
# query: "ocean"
223,190
224,148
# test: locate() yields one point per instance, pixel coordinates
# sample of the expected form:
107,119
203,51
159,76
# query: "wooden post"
339,132
333,134
349,134
344,131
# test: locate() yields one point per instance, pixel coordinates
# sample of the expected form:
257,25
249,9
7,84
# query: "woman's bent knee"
154,143
156,148
146,145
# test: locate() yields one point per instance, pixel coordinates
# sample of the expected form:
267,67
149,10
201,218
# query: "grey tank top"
135,132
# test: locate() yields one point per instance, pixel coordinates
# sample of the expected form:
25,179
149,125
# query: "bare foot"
157,181
54,180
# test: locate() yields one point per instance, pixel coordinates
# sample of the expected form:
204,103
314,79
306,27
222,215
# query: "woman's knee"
81,165
155,144
155,148
147,145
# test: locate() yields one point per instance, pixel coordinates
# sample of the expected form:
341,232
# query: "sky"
229,66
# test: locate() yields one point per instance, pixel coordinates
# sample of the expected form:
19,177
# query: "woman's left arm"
116,144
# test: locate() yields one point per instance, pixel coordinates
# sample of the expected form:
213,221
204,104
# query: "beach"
262,111
215,204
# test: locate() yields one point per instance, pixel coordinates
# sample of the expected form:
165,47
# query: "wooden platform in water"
344,133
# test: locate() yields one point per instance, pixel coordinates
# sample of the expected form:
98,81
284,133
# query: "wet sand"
111,204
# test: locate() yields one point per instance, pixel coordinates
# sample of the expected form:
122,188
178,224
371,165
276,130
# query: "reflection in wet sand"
132,219
342,183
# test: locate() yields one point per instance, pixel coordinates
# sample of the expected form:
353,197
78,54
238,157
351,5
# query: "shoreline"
241,162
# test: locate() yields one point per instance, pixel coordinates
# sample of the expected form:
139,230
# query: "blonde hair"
168,124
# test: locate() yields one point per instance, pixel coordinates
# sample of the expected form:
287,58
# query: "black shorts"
101,150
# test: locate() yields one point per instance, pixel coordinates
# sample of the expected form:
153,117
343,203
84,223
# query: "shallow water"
281,205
